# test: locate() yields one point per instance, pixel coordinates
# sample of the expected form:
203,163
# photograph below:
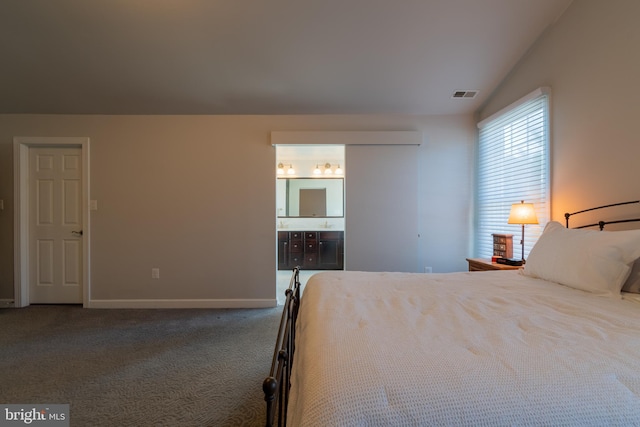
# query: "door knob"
77,233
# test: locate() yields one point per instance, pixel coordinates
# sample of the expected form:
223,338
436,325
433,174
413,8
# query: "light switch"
93,205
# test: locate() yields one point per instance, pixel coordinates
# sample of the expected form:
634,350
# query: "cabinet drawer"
295,259
295,246
295,235
330,235
310,235
310,260
310,246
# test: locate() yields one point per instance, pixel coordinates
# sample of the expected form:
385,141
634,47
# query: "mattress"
490,348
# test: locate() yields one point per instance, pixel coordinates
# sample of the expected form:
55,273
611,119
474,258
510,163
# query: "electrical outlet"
155,273
428,270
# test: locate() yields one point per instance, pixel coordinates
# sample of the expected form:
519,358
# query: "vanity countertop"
308,229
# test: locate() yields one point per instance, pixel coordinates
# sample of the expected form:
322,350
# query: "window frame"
489,213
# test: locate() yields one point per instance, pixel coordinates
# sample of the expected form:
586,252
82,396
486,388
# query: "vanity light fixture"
339,171
291,170
280,170
327,169
317,170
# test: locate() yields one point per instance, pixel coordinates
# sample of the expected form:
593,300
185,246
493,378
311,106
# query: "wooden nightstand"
481,264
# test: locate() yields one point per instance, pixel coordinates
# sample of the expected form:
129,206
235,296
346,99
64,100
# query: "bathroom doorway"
309,231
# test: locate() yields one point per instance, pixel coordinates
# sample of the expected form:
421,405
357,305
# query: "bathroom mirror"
310,197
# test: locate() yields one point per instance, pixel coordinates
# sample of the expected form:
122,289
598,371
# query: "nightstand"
481,264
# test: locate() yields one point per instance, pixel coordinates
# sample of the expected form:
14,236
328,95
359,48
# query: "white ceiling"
261,56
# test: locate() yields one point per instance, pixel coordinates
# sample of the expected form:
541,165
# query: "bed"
555,343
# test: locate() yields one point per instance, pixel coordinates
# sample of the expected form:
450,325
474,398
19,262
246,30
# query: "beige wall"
590,60
195,197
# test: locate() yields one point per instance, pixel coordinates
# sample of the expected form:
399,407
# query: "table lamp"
522,213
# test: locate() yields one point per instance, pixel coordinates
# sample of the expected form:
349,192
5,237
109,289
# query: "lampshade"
291,170
522,213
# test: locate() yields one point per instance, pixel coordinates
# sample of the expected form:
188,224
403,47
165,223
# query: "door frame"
21,146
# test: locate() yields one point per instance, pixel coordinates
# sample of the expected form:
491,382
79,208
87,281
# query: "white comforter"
490,348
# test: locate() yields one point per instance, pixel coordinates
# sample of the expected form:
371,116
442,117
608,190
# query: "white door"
55,225
381,208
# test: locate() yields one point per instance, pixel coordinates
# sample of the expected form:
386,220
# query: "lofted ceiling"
261,56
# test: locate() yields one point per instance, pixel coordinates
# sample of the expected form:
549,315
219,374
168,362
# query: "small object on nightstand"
510,261
503,245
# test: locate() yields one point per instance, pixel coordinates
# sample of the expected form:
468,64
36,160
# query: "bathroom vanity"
311,250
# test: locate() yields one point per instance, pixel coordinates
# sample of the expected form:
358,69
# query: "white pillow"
633,281
591,260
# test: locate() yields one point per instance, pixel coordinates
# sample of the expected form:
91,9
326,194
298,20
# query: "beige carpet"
139,367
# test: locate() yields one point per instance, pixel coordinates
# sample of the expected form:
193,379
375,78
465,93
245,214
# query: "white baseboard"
183,303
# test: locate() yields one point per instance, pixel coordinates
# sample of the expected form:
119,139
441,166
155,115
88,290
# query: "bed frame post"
276,385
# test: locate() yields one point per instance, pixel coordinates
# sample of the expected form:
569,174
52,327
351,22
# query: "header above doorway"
346,137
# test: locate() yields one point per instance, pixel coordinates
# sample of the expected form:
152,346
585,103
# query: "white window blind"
512,165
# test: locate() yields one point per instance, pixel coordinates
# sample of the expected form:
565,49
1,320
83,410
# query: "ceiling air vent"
466,94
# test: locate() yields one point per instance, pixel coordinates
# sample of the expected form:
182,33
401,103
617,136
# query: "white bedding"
490,348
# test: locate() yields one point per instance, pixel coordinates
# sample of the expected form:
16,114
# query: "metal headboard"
601,224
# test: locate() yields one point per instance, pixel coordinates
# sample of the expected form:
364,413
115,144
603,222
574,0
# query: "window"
512,165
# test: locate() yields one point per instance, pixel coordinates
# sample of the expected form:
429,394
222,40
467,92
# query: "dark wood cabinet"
311,250
283,250
331,250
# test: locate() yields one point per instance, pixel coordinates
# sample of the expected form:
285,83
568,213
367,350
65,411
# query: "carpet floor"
139,367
